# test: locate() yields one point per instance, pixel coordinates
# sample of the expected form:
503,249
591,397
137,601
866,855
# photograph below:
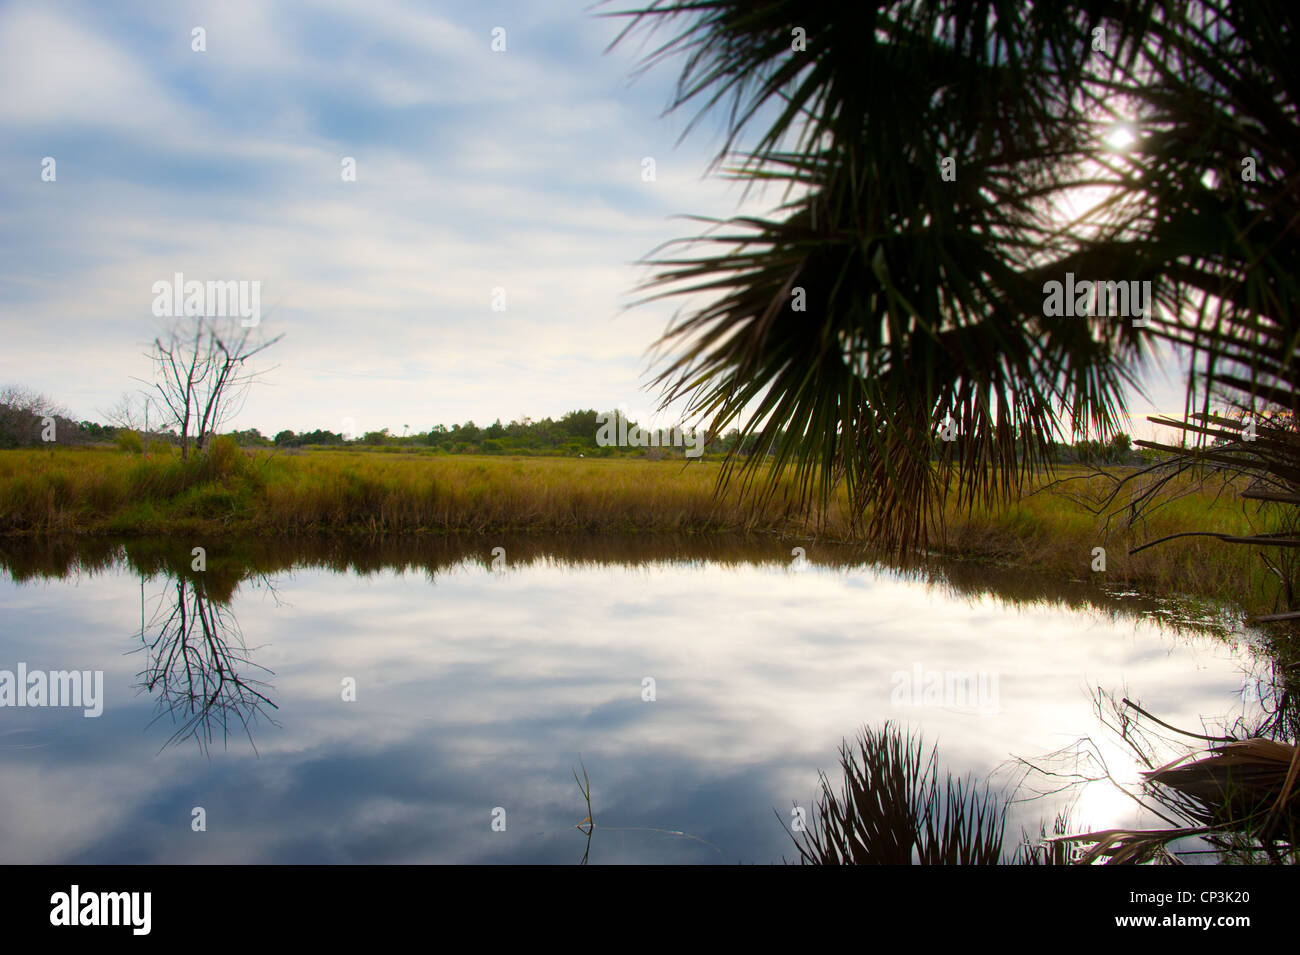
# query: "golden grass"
98,491
1053,532
101,491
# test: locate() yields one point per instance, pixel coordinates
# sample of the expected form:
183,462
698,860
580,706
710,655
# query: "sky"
477,170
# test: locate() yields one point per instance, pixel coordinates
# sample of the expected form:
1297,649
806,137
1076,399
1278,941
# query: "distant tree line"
28,418
23,414
575,433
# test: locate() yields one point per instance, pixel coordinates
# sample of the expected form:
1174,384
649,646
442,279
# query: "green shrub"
221,459
129,441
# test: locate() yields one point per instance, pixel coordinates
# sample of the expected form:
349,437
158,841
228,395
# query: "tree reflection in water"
198,667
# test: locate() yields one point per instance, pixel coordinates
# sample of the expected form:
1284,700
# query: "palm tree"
1215,198
926,151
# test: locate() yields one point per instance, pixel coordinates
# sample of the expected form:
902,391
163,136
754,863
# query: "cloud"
476,170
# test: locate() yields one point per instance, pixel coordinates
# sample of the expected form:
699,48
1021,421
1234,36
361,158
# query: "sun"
1121,137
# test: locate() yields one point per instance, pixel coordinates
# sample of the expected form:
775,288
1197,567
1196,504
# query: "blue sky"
475,170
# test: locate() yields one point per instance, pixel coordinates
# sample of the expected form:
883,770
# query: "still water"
429,702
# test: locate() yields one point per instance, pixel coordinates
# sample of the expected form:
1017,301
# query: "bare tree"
201,374
131,411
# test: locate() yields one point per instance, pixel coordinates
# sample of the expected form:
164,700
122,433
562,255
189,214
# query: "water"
481,688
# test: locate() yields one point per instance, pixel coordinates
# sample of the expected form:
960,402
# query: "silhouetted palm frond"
894,810
925,151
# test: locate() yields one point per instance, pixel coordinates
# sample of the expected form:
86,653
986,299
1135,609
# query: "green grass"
230,493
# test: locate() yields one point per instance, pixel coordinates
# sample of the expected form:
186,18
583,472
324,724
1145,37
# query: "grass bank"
230,493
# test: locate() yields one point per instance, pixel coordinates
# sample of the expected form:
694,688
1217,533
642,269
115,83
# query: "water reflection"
1225,791
1233,799
479,685
197,667
244,559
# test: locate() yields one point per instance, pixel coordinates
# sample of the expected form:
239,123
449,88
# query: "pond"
429,701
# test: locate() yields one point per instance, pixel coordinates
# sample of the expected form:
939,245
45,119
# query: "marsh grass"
588,825
101,491
584,787
229,491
